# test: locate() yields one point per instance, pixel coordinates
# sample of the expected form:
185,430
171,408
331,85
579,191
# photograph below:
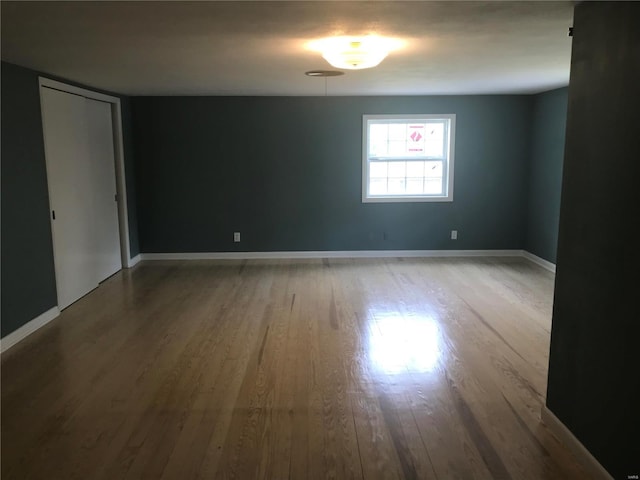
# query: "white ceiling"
258,48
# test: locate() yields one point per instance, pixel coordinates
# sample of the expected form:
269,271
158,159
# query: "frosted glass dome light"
355,53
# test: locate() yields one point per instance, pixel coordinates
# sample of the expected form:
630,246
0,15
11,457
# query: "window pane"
378,169
378,139
414,185
402,139
378,186
434,142
433,186
397,148
415,169
415,139
398,132
397,169
433,169
396,186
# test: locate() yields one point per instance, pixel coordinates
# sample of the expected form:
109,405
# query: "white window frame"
448,162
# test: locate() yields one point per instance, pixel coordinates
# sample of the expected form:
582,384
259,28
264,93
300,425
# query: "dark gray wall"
594,374
286,173
28,278
545,172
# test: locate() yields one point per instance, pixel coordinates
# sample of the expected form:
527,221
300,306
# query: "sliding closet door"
70,194
103,181
79,150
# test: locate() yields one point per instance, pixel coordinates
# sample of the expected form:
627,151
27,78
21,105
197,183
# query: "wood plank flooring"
290,369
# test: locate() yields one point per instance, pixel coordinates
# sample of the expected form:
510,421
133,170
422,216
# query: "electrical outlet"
454,234
236,237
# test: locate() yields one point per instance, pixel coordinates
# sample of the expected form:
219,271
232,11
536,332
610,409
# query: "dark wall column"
594,367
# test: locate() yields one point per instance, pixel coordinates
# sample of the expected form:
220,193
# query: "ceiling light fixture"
355,53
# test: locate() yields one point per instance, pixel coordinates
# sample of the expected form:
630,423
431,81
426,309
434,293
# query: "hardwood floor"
339,368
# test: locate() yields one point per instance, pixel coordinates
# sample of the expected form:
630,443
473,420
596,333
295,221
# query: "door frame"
121,186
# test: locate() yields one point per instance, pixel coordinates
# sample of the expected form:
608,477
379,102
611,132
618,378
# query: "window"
408,158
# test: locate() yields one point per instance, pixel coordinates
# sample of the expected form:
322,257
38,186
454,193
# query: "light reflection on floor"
403,343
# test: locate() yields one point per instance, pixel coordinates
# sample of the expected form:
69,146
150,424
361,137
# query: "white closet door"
70,194
105,218
81,176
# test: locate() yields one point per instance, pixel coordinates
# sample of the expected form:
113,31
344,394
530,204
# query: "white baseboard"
565,436
539,261
28,328
329,254
134,261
